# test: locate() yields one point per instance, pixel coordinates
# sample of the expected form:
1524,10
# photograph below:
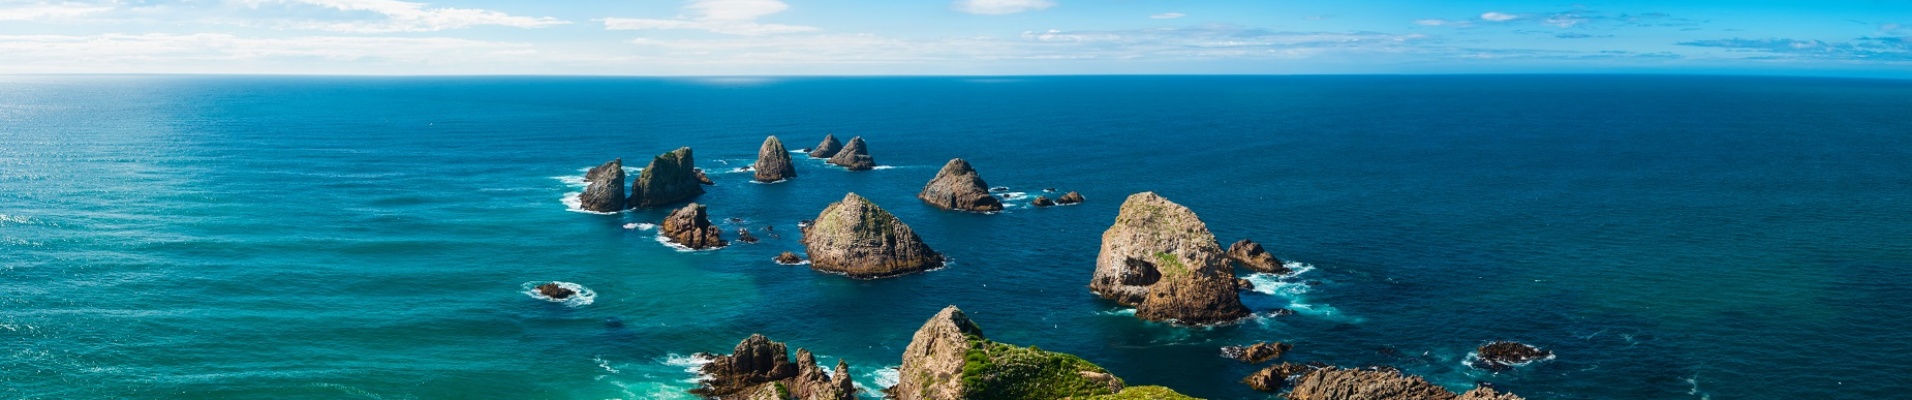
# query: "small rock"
1244,284
828,148
1276,376
1042,201
1248,254
1069,198
1504,355
999,189
701,177
743,235
554,291
854,156
1256,353
789,258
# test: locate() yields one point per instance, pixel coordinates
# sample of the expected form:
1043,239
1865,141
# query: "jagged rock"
1160,258
604,190
1244,284
856,238
1256,353
1332,383
552,290
828,148
773,162
690,227
1042,201
1504,355
670,178
761,368
789,258
854,156
1249,254
1069,198
702,179
958,187
743,235
949,359
1276,376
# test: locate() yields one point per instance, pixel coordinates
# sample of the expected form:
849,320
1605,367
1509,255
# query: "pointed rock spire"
958,187
773,162
605,188
828,148
854,156
670,178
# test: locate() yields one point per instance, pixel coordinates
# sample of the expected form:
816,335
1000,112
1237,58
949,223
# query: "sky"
954,37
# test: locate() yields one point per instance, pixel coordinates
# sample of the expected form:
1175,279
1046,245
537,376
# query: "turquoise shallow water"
309,237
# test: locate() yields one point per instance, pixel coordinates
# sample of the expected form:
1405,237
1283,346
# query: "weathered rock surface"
773,162
1276,376
702,179
604,190
828,148
743,235
670,178
1160,258
958,187
761,368
933,363
1069,198
1504,355
789,258
690,227
1333,383
856,238
1042,201
1256,353
949,358
1243,284
854,156
554,291
1249,254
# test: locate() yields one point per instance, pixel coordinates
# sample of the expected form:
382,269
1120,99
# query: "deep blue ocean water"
1669,237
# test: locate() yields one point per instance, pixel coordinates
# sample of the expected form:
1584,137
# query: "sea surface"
1668,237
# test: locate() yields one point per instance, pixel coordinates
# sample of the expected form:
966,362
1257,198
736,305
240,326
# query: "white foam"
584,297
804,262
602,363
1118,311
884,377
681,248
642,226
740,170
574,202
1012,196
882,167
1291,287
17,219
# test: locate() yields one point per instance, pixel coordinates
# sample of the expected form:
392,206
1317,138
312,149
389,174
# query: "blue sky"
967,37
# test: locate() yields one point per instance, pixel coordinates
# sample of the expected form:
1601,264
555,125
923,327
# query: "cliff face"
670,178
933,363
1160,258
854,156
759,368
949,358
1333,383
773,162
605,188
690,227
828,148
958,187
856,238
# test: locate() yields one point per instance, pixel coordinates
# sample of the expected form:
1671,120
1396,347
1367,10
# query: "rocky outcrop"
1069,198
1042,201
958,187
1160,258
761,368
856,238
1276,376
1333,383
555,291
788,258
828,148
773,162
1504,355
743,235
702,179
690,227
1249,254
854,156
1256,353
670,178
604,188
949,359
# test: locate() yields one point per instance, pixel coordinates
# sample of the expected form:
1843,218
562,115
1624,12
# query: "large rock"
949,358
761,368
671,177
828,148
690,227
604,190
1249,254
958,187
1160,258
854,156
1333,383
773,162
856,238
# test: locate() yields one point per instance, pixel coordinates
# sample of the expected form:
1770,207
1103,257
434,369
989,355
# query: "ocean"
1668,237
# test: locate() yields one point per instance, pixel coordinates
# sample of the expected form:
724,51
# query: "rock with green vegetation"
856,238
1144,393
828,148
1160,258
759,368
671,177
604,190
958,187
950,359
773,162
1333,383
854,156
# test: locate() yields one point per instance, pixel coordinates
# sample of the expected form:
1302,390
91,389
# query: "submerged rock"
690,227
604,190
854,156
949,358
1042,201
1160,258
670,178
1504,355
554,291
828,148
1249,254
760,367
789,258
959,187
1332,383
856,238
1256,353
1069,198
743,235
773,162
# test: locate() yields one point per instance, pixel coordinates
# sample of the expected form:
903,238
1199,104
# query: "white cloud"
1205,43
1497,16
999,7
214,52
1170,15
46,10
404,16
733,17
1441,22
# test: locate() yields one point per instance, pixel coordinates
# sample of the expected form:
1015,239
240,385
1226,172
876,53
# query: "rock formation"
743,235
1160,258
856,238
1503,355
773,162
1249,254
554,291
949,359
958,187
670,178
604,190
828,148
690,227
1276,376
1042,201
1333,383
761,368
854,156
789,258
702,179
1069,198
1256,353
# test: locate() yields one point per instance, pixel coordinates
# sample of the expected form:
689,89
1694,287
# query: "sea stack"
605,188
759,368
1069,198
1160,258
1331,383
854,156
690,227
828,148
958,187
1249,254
950,359
773,162
670,178
856,238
